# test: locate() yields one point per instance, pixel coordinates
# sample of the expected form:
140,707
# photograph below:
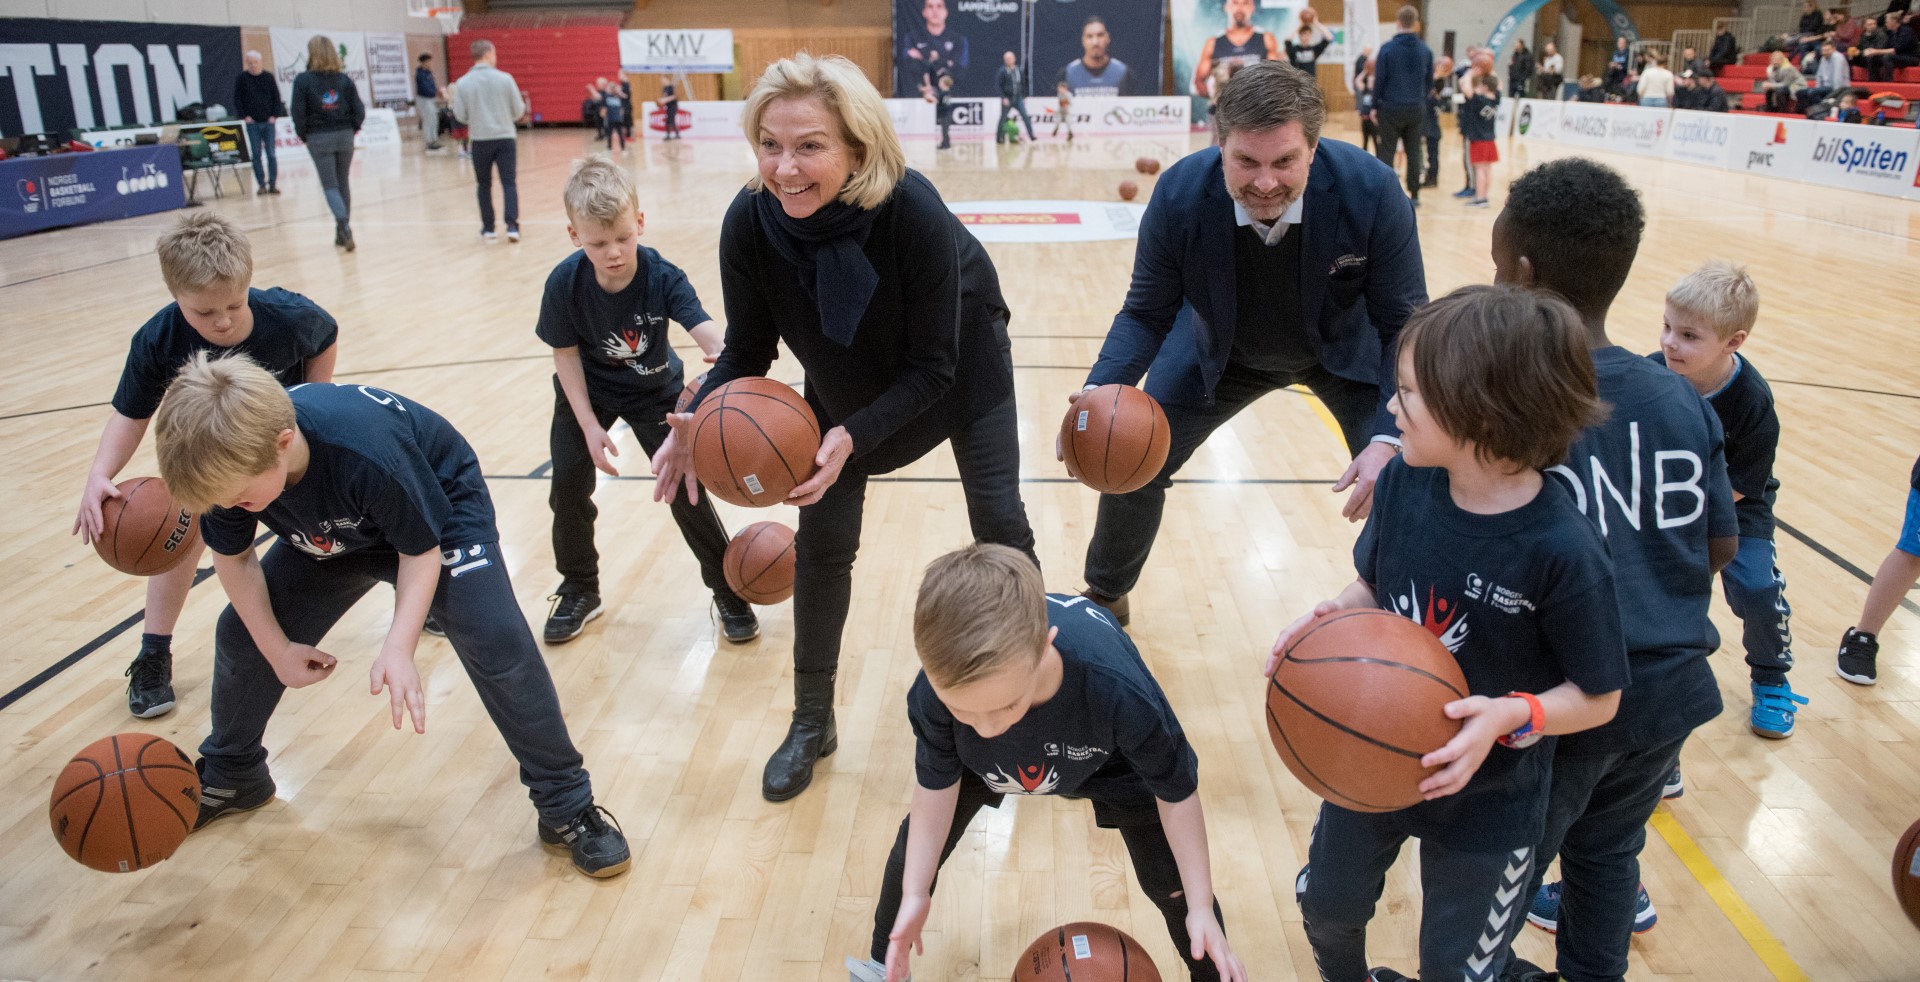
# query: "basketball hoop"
448,15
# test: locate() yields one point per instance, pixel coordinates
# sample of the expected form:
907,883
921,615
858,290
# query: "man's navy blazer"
1360,276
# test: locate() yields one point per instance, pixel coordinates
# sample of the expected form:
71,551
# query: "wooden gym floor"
394,856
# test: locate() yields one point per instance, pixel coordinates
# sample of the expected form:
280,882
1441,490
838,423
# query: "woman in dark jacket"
894,310
1519,70
326,114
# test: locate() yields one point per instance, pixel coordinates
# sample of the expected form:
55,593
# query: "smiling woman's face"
804,159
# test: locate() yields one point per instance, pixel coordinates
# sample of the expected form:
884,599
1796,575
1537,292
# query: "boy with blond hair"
207,264
1026,692
1709,316
362,486
605,315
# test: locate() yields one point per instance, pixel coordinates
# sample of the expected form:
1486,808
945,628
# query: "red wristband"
1535,727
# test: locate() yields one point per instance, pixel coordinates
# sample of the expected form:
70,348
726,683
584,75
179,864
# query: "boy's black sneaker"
433,627
594,839
737,621
1384,974
1117,606
570,614
216,802
150,689
1858,649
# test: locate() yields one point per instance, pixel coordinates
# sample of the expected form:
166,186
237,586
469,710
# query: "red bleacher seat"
1859,74
1744,71
1907,75
1757,58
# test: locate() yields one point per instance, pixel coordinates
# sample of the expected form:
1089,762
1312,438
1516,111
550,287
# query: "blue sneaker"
1463,193
1773,710
1545,912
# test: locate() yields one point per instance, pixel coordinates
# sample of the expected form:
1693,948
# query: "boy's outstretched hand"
397,674
1210,942
904,940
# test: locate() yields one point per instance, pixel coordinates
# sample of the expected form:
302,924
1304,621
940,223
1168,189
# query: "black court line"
62,409
106,637
1846,388
1839,560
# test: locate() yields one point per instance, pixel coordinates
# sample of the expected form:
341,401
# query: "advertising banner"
81,188
1049,221
93,75
1621,129
964,39
667,52
1701,138
1102,49
1771,146
708,120
380,130
1876,159
388,74
1363,33
1211,36
972,118
290,58
1537,119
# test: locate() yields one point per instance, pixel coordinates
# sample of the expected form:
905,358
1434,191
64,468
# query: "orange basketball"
125,803
1906,873
754,440
1146,165
144,531
1356,701
1128,189
1115,439
1085,952
1483,64
759,563
687,395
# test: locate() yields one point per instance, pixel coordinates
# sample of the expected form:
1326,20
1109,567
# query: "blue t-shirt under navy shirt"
1524,600
622,336
383,472
288,329
1653,477
1752,432
1108,735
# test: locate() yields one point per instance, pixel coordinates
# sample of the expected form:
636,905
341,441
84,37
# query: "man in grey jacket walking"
488,101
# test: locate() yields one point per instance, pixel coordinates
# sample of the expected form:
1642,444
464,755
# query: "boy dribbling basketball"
207,264
1026,692
1468,538
362,486
605,315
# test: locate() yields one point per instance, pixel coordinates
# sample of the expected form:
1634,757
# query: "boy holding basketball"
1710,314
362,486
1470,539
605,315
207,264
1653,479
1026,692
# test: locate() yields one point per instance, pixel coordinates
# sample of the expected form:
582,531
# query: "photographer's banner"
65,75
961,39
1210,37
1102,49
290,58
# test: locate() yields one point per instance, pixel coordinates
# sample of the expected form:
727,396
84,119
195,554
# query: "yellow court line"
1772,953
1320,409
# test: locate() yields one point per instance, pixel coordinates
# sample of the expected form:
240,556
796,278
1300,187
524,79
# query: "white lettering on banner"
23,62
170,72
1701,138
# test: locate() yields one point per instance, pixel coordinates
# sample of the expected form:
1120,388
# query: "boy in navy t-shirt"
605,315
362,486
1860,646
1469,538
1029,693
1653,478
207,264
1710,314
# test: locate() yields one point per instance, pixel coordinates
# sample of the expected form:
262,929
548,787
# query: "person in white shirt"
488,101
1656,84
1552,73
1833,74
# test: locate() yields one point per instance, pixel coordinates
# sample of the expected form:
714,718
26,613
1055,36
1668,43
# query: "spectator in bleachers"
1725,50
1847,110
1832,73
1552,74
1808,47
1685,95
1709,96
1846,38
1617,64
1519,69
1782,83
1812,23
1900,50
1655,87
1690,61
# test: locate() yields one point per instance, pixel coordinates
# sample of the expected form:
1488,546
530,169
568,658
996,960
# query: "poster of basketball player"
1211,37
960,39
1100,48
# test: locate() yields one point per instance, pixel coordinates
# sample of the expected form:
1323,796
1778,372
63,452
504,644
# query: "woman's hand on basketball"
1286,637
600,444
396,673
1486,720
673,462
1210,943
835,448
301,665
89,524
904,939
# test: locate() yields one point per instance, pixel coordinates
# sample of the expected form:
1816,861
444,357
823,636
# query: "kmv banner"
667,52
86,74
290,58
1210,37
961,39
1101,49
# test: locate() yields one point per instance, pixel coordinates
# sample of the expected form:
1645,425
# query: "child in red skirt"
1477,125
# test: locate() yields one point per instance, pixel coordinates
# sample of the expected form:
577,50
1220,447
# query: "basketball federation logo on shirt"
1439,615
1033,779
317,544
628,346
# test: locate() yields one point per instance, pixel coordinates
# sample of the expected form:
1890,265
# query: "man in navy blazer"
1276,259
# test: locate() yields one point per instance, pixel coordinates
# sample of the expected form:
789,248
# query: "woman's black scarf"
828,244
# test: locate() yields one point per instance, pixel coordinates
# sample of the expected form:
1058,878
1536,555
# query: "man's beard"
1254,206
